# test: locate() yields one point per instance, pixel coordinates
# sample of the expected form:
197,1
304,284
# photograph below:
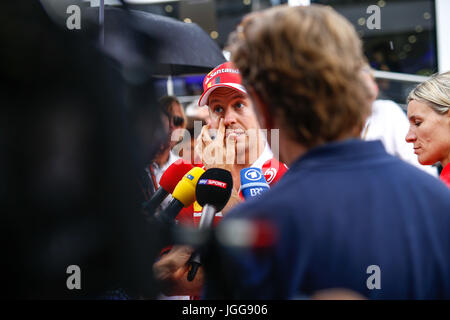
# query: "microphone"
183,195
169,179
213,192
253,183
273,170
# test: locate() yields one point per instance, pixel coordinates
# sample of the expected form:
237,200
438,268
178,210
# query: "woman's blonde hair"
435,92
304,62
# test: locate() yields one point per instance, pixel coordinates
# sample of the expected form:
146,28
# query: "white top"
160,170
266,155
389,124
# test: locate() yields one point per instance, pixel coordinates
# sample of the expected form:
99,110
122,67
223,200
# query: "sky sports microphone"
183,195
213,192
253,182
273,170
169,180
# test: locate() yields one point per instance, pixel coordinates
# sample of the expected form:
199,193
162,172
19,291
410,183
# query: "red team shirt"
445,175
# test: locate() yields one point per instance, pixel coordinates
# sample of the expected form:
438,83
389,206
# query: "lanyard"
151,175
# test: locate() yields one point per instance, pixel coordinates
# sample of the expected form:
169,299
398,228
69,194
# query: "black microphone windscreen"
214,188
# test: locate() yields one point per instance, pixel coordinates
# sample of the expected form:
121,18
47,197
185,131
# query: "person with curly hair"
346,214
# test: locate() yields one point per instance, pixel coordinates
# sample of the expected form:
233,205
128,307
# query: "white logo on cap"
223,70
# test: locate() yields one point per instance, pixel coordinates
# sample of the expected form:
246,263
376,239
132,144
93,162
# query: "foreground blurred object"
336,294
72,142
173,269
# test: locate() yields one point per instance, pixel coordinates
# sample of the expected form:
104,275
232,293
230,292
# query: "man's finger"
203,140
206,138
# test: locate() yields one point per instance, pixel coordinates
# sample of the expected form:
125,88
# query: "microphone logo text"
253,175
256,191
211,182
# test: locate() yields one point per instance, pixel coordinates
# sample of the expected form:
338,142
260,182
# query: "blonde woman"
429,122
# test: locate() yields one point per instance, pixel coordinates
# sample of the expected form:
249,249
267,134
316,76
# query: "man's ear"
261,109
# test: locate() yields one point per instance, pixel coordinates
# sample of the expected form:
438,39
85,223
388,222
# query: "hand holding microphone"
213,192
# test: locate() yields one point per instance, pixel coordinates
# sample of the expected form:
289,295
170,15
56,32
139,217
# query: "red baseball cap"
225,75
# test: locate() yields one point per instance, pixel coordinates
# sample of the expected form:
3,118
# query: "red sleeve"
186,215
445,175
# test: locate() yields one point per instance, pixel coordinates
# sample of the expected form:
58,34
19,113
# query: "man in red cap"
231,140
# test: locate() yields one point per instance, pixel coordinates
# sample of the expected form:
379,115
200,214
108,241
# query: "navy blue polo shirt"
347,215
